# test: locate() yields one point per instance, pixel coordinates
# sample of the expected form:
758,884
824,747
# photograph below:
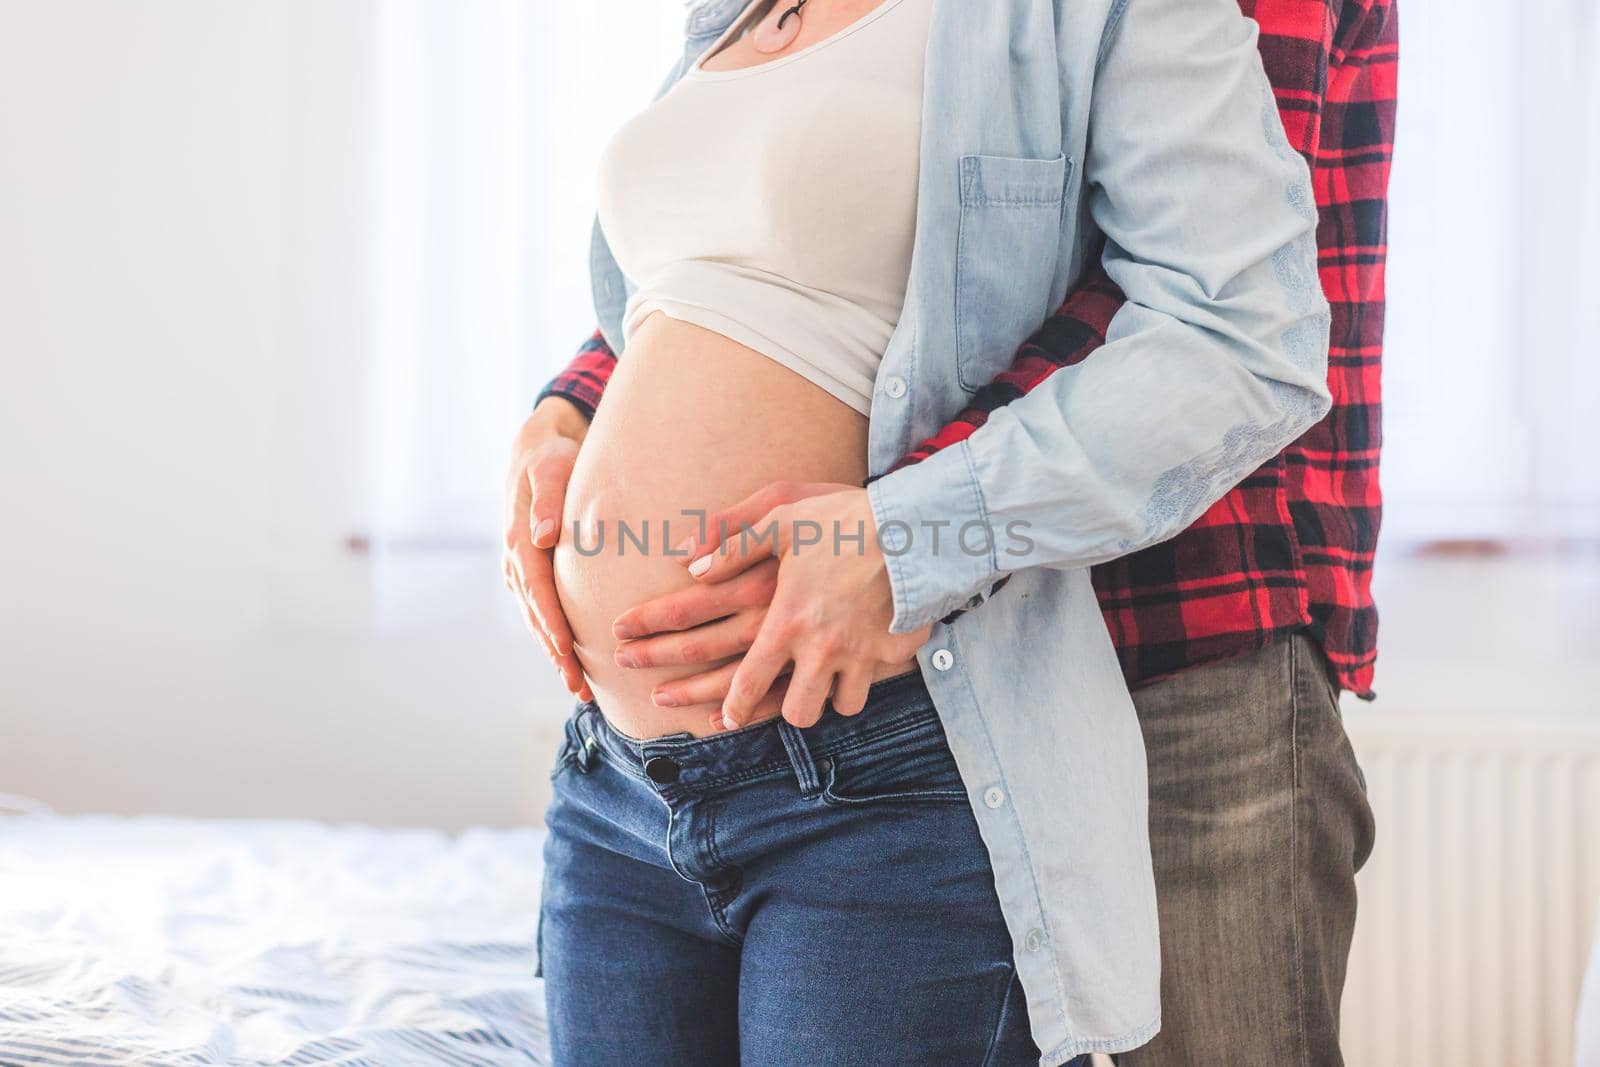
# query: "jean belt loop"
805,768
588,747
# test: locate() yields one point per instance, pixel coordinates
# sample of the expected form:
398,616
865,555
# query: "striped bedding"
164,941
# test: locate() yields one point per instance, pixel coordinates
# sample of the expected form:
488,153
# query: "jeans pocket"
909,767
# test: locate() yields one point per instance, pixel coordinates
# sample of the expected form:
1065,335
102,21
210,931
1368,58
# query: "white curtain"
491,116
1587,1052
1493,359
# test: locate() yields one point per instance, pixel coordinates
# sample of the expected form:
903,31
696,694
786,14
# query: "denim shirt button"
895,386
994,796
943,660
1034,941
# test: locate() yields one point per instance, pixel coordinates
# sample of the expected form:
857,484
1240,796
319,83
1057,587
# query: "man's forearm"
582,382
1066,339
553,416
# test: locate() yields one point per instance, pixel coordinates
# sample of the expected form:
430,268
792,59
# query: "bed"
157,941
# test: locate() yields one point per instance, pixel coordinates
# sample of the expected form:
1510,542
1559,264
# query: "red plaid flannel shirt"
1291,547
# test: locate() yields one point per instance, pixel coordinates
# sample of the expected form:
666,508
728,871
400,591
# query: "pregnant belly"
691,422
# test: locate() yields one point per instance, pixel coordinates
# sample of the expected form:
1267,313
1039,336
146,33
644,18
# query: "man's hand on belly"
542,458
794,578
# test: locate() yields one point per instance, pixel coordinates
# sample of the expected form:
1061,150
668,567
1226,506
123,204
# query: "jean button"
895,386
661,770
943,660
994,797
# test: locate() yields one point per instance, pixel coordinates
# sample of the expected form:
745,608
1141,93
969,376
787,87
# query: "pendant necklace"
778,31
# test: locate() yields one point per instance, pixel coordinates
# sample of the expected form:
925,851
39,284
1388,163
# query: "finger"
524,591
572,674
548,473
539,586
707,687
571,671
520,560
546,529
771,705
704,644
720,525
746,547
567,666
808,691
519,495
511,567
684,609
850,689
760,667
533,626
508,574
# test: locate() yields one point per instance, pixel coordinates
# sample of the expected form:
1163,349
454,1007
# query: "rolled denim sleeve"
1216,362
934,538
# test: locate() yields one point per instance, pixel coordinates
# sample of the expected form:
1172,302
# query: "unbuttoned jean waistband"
684,763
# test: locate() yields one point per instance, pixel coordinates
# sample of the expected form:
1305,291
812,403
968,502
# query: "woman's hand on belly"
827,623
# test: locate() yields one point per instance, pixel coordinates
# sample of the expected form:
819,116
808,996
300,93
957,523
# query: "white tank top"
776,204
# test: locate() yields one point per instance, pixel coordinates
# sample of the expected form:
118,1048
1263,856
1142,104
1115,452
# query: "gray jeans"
1258,823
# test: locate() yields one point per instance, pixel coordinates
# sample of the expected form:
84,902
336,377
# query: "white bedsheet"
164,941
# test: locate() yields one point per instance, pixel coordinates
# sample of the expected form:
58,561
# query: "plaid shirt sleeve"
1076,329
585,377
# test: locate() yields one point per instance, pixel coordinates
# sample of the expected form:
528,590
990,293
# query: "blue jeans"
775,896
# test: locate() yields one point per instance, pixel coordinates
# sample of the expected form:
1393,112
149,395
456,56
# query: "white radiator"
1477,908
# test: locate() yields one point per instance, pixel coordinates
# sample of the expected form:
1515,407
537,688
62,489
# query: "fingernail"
626,659
700,566
545,527
664,700
623,632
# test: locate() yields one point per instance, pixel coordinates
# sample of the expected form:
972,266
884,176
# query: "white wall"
1492,353
187,362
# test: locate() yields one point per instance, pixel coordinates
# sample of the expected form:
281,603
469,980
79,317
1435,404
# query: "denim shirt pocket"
1006,247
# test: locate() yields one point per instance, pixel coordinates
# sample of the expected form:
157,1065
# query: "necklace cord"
795,11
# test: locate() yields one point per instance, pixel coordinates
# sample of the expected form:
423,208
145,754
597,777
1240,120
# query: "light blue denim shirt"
1048,124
